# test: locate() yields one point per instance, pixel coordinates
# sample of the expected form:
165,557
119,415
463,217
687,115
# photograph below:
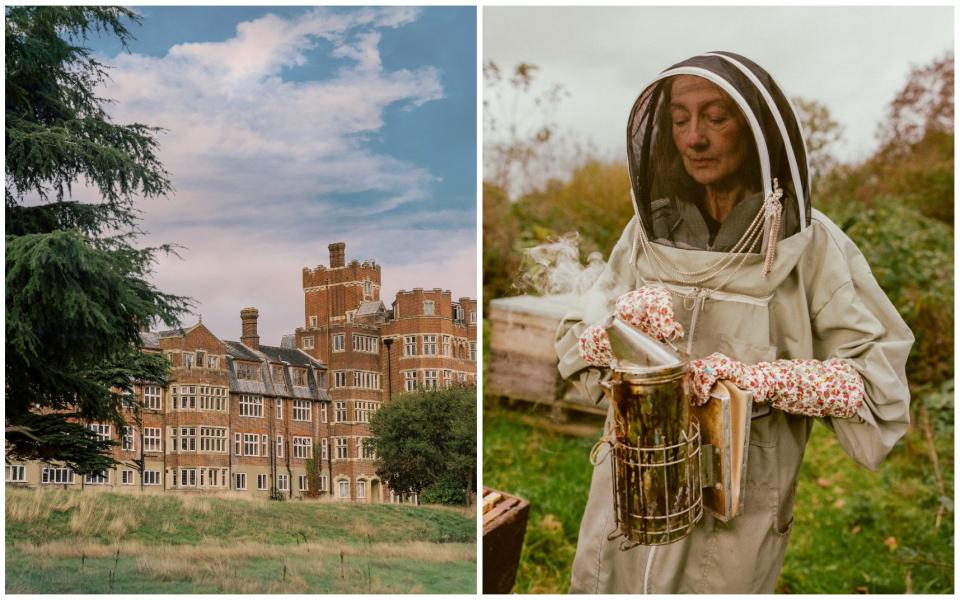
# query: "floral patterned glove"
648,309
830,388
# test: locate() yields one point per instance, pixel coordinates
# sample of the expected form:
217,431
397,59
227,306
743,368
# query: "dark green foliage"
77,293
425,437
446,490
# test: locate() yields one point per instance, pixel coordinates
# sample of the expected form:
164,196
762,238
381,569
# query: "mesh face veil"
665,181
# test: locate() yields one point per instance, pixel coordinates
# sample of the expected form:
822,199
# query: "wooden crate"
523,362
504,526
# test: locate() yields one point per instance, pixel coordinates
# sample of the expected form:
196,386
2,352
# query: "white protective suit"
818,299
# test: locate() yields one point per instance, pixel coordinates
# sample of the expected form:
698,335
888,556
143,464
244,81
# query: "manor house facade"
246,417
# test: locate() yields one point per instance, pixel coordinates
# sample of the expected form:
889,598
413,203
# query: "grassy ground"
91,542
855,531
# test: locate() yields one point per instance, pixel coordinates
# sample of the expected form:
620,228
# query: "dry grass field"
98,542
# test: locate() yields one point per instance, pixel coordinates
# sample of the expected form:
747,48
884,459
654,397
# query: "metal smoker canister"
654,444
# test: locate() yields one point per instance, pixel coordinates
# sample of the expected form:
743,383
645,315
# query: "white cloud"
262,163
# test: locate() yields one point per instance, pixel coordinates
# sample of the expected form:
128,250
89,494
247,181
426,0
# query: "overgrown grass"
94,542
855,531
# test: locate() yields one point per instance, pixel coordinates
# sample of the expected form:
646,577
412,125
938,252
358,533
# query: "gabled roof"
238,350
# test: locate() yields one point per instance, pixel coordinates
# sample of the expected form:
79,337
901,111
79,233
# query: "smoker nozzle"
634,348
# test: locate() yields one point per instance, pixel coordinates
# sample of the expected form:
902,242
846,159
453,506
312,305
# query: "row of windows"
429,310
182,478
184,397
363,410
200,358
368,380
429,347
431,378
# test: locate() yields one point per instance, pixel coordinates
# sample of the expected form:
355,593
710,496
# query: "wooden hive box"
504,526
523,362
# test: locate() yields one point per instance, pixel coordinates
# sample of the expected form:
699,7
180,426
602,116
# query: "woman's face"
709,131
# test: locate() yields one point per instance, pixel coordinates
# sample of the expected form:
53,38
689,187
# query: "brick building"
245,417
425,339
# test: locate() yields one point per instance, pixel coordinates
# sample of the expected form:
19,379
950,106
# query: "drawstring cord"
773,215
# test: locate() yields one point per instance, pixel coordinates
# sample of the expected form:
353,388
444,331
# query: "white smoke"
554,268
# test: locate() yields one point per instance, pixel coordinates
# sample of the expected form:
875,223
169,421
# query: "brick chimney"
337,254
249,338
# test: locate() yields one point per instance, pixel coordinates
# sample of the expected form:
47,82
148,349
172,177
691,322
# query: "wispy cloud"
269,168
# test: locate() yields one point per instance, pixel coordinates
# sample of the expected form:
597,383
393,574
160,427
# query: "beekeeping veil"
776,169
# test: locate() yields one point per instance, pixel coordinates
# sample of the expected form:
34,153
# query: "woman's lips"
701,162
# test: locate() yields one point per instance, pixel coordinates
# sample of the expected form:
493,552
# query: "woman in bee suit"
726,257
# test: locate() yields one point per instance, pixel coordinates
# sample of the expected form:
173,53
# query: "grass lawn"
97,542
855,531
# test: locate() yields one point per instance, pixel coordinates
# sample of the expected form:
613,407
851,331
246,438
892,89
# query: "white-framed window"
185,439
56,475
213,439
344,486
283,482
237,444
184,397
339,379
251,444
299,377
323,449
341,447
128,443
151,478
365,343
446,346
313,320
264,445
409,345
248,371
367,288
430,345
340,412
361,489
126,477
279,446
410,381
188,478
302,483
151,439
367,380
473,351
447,378
457,312
261,481
302,447
187,360
201,355
213,362
101,431
302,410
307,342
473,317
240,481
251,406
278,408
430,379
337,340
97,478
213,398
364,410
323,484
16,473
151,397
428,308
323,413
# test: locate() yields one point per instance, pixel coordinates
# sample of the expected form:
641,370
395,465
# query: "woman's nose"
694,136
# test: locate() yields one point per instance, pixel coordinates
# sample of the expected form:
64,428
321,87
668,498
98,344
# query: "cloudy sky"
852,59
292,128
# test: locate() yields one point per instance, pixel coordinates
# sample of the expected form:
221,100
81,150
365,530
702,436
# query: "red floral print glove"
648,309
814,388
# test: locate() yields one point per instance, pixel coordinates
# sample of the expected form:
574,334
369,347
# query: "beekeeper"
726,258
